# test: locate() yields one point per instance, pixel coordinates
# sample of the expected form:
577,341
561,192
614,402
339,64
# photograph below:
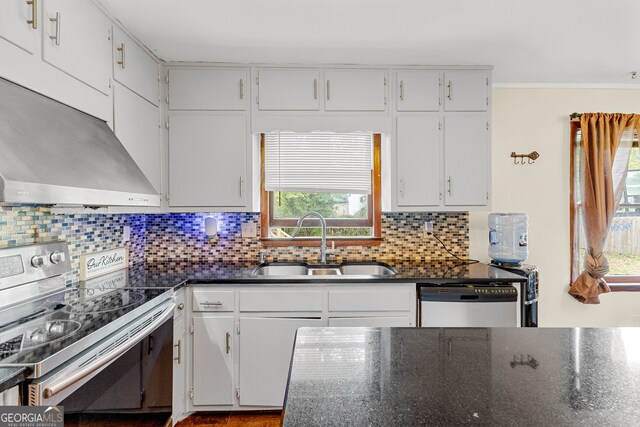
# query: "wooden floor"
234,419
231,419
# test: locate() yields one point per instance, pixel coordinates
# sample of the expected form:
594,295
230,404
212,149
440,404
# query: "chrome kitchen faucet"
323,244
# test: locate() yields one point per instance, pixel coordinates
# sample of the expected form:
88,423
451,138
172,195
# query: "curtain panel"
605,148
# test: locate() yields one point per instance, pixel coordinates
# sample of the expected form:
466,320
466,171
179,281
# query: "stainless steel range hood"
53,154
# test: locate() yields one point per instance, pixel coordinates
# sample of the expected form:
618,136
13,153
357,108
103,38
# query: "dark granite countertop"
468,376
10,377
179,274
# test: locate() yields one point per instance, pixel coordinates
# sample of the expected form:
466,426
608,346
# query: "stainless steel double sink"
346,269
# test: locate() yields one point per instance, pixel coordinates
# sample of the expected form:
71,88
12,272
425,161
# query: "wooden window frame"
374,209
616,283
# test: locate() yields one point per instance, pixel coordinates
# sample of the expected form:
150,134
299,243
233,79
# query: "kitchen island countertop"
467,376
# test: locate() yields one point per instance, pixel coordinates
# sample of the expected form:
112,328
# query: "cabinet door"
418,161
134,68
288,90
371,322
212,360
466,153
206,89
207,160
418,90
136,124
179,404
266,345
76,40
14,27
355,90
466,90
157,366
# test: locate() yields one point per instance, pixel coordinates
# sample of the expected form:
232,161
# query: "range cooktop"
62,319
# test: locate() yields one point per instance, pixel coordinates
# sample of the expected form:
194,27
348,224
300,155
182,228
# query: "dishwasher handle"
469,294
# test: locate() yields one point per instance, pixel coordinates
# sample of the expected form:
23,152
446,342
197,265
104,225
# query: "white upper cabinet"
136,126
356,90
418,161
288,90
76,40
209,89
466,90
19,22
208,160
134,68
418,91
467,167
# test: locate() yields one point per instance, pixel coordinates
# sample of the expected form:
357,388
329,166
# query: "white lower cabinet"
266,346
241,357
213,360
179,395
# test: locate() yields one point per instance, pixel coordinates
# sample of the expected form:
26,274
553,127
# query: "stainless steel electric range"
67,336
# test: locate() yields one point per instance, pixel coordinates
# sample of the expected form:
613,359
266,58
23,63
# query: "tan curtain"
605,149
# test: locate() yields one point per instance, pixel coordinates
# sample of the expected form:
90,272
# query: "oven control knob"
57,257
38,261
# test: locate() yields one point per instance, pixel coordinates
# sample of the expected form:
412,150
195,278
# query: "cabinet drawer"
370,300
280,300
209,300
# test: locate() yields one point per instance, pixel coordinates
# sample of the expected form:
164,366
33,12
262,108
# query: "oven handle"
108,358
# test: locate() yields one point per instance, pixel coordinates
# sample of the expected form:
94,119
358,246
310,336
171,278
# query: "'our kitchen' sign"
99,263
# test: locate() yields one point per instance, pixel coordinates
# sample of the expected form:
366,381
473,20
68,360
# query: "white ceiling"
529,42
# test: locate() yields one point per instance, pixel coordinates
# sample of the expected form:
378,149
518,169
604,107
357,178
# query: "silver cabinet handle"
449,185
207,303
122,51
228,341
401,90
402,187
241,89
56,37
328,90
101,362
449,87
181,306
34,13
315,88
178,346
242,186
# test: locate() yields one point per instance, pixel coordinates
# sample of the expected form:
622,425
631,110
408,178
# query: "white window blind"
318,162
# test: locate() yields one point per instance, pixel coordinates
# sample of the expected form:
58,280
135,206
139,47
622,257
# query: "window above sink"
337,175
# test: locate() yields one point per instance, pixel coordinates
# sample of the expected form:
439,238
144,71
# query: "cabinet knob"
181,306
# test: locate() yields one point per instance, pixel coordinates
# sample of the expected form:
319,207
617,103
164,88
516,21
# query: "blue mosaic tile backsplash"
180,237
86,233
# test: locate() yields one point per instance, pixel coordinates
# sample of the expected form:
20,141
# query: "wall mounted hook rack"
531,157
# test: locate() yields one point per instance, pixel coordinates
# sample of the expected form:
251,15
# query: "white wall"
538,119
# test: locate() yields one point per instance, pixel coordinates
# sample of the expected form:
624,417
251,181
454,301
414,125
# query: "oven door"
120,349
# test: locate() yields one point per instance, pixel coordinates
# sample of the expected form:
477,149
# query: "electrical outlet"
428,228
249,229
126,234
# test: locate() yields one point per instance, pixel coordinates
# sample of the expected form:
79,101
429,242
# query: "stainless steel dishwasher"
468,306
